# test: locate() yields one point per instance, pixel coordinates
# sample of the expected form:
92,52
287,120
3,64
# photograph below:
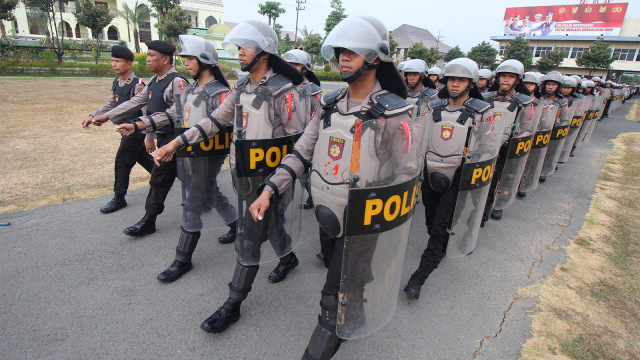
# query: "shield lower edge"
569,143
519,150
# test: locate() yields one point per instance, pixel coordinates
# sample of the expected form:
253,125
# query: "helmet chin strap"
353,76
253,63
201,68
458,96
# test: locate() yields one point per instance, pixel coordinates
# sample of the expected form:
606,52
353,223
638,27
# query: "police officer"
460,108
435,74
421,89
132,149
158,97
484,80
607,94
270,108
552,94
198,169
575,111
375,95
509,97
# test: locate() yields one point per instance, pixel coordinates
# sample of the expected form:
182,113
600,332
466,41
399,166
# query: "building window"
624,54
78,31
103,4
564,50
66,29
15,26
503,49
209,21
577,52
145,29
112,33
190,20
36,21
541,50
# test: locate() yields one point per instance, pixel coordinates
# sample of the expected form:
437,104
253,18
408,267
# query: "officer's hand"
165,153
100,119
258,208
150,145
87,121
125,129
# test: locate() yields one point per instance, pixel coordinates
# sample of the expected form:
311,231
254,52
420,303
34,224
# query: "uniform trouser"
605,111
162,178
497,173
132,150
202,193
438,213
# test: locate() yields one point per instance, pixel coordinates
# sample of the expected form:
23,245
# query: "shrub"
327,68
329,76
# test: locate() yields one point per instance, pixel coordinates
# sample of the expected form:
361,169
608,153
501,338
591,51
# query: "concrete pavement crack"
495,335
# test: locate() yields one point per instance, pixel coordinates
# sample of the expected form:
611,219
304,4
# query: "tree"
433,55
419,51
518,49
272,10
285,44
484,54
304,33
6,13
48,9
454,53
312,44
335,16
550,61
278,29
93,17
173,23
162,7
135,17
598,56
393,45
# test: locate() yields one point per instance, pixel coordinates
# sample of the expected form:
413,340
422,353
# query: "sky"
460,22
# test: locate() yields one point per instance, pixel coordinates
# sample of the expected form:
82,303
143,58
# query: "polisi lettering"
390,207
271,156
482,173
542,139
576,122
524,146
216,143
562,133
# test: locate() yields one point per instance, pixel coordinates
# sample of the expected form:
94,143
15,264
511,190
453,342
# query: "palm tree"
304,33
135,17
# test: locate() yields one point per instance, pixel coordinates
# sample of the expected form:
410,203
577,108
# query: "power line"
298,8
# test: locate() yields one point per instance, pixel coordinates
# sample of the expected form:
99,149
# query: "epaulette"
313,88
561,102
429,92
276,83
579,96
489,96
388,104
478,105
522,99
437,104
329,99
242,81
214,87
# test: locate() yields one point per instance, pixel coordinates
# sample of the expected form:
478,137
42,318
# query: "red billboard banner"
584,19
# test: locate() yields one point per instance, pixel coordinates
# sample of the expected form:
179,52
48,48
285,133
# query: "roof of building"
406,35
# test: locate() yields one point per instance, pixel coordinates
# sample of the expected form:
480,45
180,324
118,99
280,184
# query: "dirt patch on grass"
590,307
634,113
47,157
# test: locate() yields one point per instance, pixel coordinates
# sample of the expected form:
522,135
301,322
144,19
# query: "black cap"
161,47
121,52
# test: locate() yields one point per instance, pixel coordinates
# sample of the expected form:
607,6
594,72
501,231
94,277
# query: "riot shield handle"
179,116
240,132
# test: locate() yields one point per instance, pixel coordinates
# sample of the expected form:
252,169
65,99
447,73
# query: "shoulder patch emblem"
446,132
187,112
117,98
336,146
150,94
245,119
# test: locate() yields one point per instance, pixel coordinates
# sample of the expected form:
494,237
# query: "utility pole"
438,39
299,7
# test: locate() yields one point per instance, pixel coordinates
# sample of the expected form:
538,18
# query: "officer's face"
434,78
412,79
245,56
507,81
121,66
349,61
456,85
156,60
482,83
530,86
551,87
297,66
566,91
191,62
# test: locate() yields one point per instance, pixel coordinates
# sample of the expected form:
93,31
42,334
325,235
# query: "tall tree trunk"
136,39
3,30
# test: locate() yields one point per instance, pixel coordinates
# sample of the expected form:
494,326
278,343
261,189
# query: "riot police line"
467,141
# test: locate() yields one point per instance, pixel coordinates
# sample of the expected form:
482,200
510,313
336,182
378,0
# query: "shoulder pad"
214,87
277,82
391,102
429,92
313,88
333,97
579,96
437,104
115,84
561,102
489,96
242,81
477,105
191,86
522,99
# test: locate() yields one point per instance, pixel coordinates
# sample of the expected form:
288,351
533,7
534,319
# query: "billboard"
584,20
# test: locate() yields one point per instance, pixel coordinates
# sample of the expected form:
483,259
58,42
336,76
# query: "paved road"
72,286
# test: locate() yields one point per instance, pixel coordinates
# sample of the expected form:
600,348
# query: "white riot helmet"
553,76
253,36
596,78
415,65
512,66
401,65
435,71
297,56
204,50
531,77
591,84
484,74
462,68
569,82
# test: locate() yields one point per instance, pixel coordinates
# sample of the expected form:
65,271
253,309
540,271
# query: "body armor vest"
427,95
333,150
258,107
196,105
156,101
508,110
313,93
123,94
447,136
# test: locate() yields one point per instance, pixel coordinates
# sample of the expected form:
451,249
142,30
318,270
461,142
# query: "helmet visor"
357,35
248,37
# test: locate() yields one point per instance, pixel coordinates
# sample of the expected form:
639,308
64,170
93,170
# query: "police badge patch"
245,119
128,81
187,112
150,93
336,146
117,98
446,132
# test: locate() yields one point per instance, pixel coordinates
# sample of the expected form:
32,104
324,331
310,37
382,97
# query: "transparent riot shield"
485,139
558,137
572,136
541,139
255,159
383,184
590,129
517,155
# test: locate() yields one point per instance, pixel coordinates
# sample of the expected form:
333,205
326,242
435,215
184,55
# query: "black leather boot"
229,237
543,178
521,194
418,278
146,226
182,264
224,317
320,256
324,342
496,214
118,202
287,263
